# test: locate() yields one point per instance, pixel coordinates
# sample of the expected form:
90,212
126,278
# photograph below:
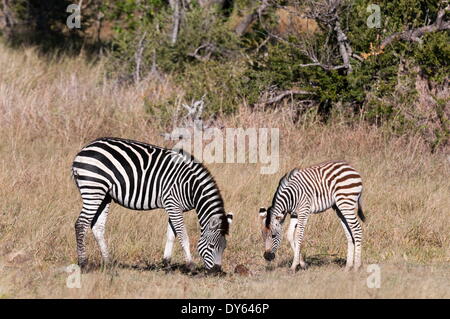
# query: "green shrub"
433,56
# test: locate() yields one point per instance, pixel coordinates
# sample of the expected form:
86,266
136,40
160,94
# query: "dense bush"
207,58
43,23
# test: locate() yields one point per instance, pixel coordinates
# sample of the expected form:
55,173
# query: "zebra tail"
74,177
360,211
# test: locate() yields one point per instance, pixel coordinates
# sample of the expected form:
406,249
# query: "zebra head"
212,241
272,226
273,217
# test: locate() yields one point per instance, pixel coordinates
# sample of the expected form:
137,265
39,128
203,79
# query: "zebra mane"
224,226
284,181
283,184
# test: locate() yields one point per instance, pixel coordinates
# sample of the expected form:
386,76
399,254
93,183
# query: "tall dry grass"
49,108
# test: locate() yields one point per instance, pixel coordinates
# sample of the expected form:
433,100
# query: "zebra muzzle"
269,256
215,269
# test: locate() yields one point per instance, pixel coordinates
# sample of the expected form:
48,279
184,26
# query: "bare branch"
243,26
308,52
357,57
282,95
262,44
325,12
138,57
414,35
175,4
344,48
8,18
325,66
208,47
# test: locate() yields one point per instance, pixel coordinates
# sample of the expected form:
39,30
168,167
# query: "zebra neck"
287,200
204,196
208,202
208,205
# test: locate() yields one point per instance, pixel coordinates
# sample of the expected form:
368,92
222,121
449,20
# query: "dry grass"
49,109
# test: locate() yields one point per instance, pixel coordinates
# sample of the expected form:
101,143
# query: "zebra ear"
262,212
230,218
215,222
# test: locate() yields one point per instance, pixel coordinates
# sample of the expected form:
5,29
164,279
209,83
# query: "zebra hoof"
190,267
348,268
83,263
216,271
166,262
292,271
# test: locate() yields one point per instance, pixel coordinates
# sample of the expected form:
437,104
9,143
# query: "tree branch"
282,95
209,48
176,20
8,19
138,57
414,35
243,26
344,48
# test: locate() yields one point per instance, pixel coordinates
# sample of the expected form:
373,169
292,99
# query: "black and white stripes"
140,176
312,190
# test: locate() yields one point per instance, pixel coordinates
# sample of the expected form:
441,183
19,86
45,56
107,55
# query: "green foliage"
164,112
219,82
205,59
209,60
43,23
441,132
199,27
433,56
274,67
280,64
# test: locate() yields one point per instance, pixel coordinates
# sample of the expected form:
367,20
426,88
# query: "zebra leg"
169,243
98,229
290,233
176,218
357,232
353,233
299,232
350,246
93,207
81,226
350,240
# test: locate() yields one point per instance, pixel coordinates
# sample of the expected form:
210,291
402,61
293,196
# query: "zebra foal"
312,190
141,176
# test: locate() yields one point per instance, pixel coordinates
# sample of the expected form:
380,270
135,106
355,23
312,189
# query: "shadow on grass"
319,260
197,271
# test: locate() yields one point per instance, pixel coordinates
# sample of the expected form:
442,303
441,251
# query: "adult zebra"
312,190
141,176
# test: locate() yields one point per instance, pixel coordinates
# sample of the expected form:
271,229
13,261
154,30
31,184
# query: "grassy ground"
50,109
